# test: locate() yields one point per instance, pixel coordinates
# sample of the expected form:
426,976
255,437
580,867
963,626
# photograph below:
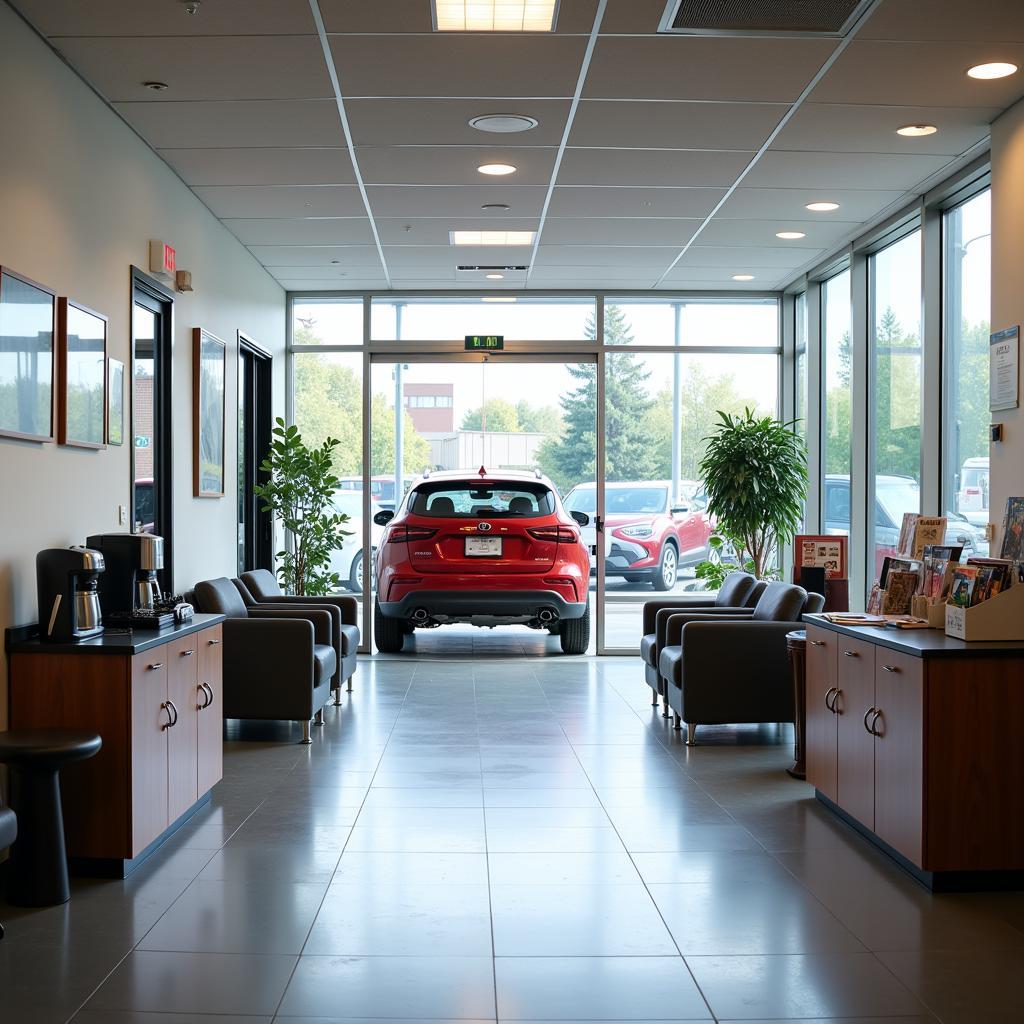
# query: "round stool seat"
47,747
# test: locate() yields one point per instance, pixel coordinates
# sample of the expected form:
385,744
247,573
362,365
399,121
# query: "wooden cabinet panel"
899,751
856,747
211,713
182,735
821,736
149,718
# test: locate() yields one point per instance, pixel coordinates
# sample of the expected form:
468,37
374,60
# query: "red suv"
490,549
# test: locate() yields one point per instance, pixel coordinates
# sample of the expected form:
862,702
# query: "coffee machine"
69,606
130,583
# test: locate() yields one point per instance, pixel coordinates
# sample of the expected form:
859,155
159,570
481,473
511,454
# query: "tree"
541,419
571,458
501,417
415,449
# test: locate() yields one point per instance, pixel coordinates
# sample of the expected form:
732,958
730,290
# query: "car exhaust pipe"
546,615
420,615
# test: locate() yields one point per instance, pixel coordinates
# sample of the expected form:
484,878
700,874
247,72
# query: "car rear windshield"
490,500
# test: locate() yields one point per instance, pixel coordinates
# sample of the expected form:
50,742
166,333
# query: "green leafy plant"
755,475
300,492
722,561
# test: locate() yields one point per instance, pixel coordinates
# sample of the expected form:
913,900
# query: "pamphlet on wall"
822,551
1013,530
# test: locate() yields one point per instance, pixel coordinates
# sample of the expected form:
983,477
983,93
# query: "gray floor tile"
142,1017
385,986
386,869
552,840
271,865
600,867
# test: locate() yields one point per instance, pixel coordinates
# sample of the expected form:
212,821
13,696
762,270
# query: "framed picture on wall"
82,372
28,322
209,384
115,402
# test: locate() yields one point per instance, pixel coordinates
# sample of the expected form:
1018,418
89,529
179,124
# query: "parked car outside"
348,563
894,495
488,549
382,488
972,495
647,537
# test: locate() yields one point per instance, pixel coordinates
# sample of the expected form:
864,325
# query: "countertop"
921,643
25,640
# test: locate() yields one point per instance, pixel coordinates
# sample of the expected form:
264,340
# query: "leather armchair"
259,587
725,669
8,833
738,594
278,661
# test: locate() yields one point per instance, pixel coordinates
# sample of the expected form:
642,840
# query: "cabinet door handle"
866,714
890,668
154,666
172,715
187,654
829,693
851,654
209,690
213,643
874,722
174,710
817,643
207,697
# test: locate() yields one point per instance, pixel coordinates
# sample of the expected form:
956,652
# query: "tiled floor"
499,835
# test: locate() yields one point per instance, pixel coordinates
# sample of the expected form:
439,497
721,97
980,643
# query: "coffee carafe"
133,560
69,606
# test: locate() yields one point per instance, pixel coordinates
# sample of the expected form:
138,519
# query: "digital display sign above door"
485,342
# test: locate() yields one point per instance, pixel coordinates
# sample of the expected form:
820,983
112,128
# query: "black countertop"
921,643
25,639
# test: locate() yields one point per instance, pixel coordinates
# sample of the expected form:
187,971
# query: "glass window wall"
837,398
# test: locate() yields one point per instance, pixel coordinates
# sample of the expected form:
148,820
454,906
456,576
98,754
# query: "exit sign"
485,342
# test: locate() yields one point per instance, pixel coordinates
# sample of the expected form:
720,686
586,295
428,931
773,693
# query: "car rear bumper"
463,604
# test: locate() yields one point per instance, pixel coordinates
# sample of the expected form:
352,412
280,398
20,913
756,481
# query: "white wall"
1007,457
80,197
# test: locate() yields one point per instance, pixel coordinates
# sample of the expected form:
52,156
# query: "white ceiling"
666,127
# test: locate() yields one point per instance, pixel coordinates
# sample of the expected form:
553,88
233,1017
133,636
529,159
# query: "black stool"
8,833
38,871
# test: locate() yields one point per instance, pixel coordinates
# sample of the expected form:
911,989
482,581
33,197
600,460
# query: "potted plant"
300,492
755,474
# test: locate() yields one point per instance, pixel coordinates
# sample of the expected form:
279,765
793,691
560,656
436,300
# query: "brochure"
1013,530
822,551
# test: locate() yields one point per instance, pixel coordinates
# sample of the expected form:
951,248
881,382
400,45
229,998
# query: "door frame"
263,419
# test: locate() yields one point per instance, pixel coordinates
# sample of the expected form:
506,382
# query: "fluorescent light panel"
495,15
491,237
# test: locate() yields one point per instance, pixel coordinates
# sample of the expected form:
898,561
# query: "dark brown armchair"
278,662
259,587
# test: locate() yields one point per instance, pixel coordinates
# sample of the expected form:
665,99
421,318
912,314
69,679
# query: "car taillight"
559,534
402,534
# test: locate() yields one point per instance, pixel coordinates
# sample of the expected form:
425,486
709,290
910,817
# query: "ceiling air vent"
505,269
753,17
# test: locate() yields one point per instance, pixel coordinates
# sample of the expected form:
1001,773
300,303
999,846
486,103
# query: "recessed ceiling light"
495,207
495,15
743,277
498,298
822,207
155,86
497,169
915,131
495,277
503,124
491,237
996,69
790,236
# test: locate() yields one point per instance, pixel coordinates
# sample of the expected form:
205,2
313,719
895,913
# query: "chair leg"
666,713
337,697
349,687
318,718
654,700
677,722
306,737
691,734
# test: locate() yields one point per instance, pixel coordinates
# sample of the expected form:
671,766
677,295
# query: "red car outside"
486,549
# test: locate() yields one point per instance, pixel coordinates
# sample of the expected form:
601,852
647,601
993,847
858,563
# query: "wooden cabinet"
159,715
915,737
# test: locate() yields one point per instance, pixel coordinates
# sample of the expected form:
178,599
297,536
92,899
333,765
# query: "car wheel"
575,634
355,576
668,569
387,632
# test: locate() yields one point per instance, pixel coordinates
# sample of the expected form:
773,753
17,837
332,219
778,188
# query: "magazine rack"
999,618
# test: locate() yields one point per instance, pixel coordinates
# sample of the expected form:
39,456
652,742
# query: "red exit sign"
162,258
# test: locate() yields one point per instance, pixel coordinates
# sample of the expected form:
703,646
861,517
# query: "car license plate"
482,547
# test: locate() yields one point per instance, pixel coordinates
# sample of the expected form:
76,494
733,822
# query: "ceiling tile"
819,233
412,122
606,200
261,166
743,258
328,273
135,18
214,68
449,201
585,277
920,74
450,256
703,68
229,124
344,283
721,277
313,231
763,203
674,125
414,16
450,165
619,231
946,19
839,128
434,231
283,200
458,65
633,16
347,256
650,167
842,170
605,256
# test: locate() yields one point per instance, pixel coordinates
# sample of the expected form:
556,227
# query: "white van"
972,497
